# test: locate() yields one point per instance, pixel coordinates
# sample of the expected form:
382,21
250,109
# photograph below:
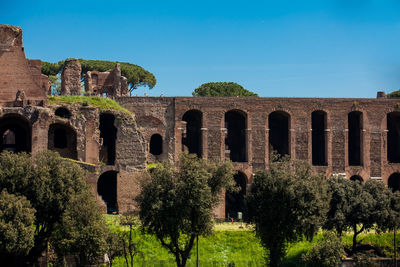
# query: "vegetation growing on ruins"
222,89
176,205
101,103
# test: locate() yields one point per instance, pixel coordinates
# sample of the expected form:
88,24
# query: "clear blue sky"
321,48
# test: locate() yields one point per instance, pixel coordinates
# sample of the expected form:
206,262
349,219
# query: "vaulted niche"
236,124
355,138
107,189
156,144
108,135
63,113
192,139
15,132
319,144
356,178
62,138
234,201
394,182
279,125
393,137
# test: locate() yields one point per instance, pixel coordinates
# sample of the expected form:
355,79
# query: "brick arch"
394,181
16,133
107,190
236,136
192,139
279,125
62,138
235,201
319,138
356,178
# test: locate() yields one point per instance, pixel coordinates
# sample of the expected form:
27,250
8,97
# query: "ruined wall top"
21,81
10,36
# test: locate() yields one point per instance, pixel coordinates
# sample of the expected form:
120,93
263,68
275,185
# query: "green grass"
102,103
233,243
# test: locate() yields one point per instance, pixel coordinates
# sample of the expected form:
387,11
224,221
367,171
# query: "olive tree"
285,203
357,207
176,202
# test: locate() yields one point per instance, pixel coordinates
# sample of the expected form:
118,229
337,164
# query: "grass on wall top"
101,103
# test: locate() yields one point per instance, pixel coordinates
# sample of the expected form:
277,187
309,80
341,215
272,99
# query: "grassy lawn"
233,243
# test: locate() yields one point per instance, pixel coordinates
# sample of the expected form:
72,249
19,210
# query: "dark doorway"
234,201
63,113
107,189
394,182
355,138
393,137
108,134
156,144
278,122
15,131
192,140
236,123
62,138
318,126
356,178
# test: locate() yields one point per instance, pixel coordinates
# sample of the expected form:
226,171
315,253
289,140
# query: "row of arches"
16,134
279,135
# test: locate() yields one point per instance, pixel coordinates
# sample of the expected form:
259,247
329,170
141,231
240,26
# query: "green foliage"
82,230
222,89
101,103
285,203
357,207
176,204
136,75
16,226
394,94
55,81
114,247
327,253
51,69
49,183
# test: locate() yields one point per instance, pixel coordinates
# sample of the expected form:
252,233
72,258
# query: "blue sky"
281,48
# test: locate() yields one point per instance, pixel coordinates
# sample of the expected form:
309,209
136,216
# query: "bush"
327,253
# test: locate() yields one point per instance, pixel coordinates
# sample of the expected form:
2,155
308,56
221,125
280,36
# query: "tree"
82,230
49,183
129,247
222,89
327,253
356,206
285,203
176,204
16,227
114,247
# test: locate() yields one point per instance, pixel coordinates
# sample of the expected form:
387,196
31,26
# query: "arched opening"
236,124
156,143
318,126
393,137
355,138
279,125
108,135
192,139
394,182
62,138
63,113
234,201
356,178
107,189
16,133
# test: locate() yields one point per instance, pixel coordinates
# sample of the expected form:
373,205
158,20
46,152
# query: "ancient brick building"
354,138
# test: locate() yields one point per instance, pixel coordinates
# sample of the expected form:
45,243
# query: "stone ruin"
354,138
